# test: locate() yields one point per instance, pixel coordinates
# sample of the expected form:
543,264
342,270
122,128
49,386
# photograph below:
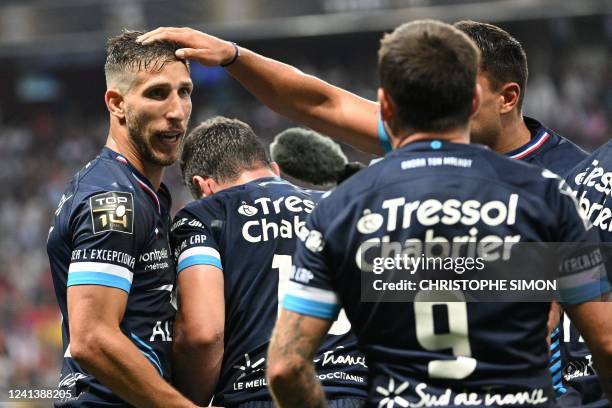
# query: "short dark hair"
429,70
125,55
221,148
502,57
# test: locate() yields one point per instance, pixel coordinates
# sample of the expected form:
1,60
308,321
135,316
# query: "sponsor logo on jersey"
595,177
599,213
70,380
247,210
399,393
301,275
314,241
178,223
450,212
336,358
577,368
63,201
155,260
112,211
399,214
268,228
370,222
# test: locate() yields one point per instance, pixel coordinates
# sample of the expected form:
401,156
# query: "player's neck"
152,172
248,176
514,134
452,136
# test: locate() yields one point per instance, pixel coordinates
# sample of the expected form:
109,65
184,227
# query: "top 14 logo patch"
112,211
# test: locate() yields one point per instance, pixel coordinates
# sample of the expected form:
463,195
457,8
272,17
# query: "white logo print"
370,222
70,380
392,395
247,210
249,368
549,174
315,242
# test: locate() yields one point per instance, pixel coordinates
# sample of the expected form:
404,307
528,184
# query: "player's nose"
178,109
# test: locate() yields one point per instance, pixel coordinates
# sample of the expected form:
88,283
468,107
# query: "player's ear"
275,169
510,94
476,100
387,109
115,103
203,185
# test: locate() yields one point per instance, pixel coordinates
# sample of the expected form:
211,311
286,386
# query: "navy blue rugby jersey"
249,231
500,348
111,229
554,152
591,181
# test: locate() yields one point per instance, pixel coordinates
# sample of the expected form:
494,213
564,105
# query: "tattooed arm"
291,375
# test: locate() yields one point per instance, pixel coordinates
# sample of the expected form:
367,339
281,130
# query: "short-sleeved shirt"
249,232
111,229
501,347
571,365
591,180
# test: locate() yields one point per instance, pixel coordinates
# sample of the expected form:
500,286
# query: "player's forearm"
296,385
114,360
309,100
196,366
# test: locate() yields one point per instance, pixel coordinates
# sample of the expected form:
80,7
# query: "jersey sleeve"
192,241
310,290
582,271
104,243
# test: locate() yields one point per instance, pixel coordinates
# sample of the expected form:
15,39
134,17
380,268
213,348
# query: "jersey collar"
539,136
434,145
141,180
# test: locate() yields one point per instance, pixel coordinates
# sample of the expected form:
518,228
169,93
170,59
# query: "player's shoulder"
519,174
109,185
601,157
556,152
102,175
202,209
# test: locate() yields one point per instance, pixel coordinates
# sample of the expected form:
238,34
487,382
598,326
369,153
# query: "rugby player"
591,181
499,123
234,248
108,246
477,356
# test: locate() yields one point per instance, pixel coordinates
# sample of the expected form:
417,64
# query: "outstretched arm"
285,89
291,375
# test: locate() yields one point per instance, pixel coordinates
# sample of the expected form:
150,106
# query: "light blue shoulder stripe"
199,260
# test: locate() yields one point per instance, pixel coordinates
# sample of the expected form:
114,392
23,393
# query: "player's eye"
185,91
157,93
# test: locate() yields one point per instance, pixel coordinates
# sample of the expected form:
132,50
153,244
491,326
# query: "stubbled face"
157,109
485,125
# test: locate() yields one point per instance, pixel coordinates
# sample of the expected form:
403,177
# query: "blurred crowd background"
53,118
